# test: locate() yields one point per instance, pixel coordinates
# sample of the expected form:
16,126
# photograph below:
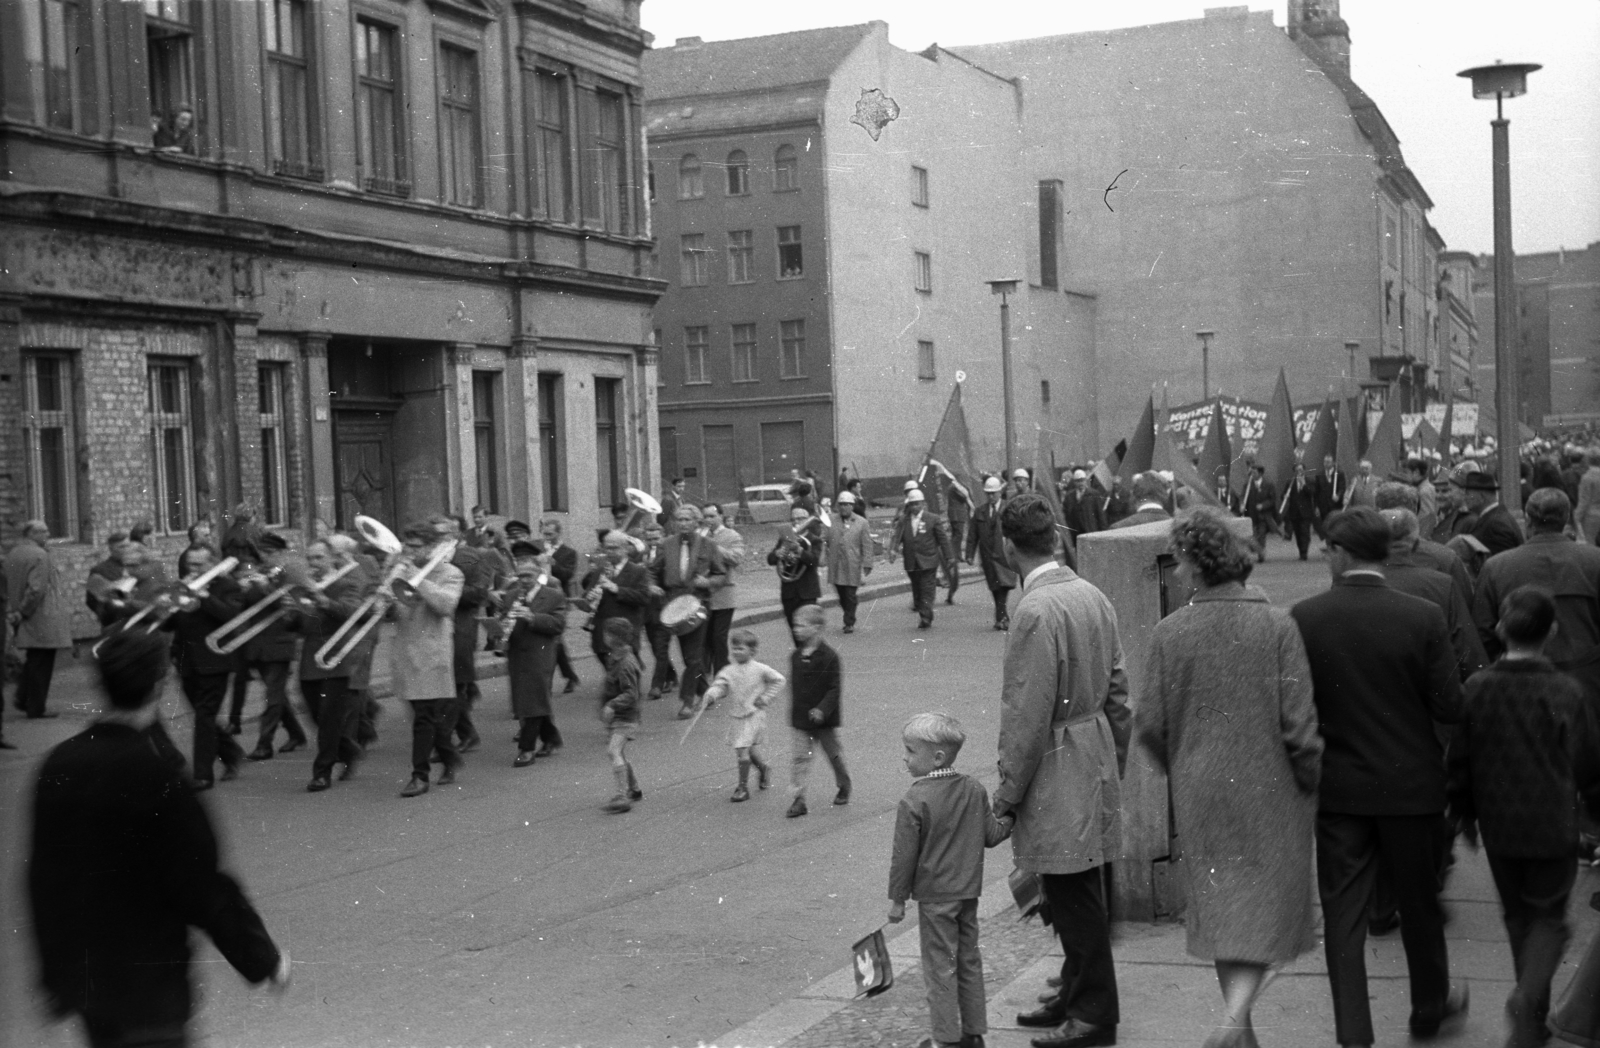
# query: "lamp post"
1004,288
1205,338
1350,347
1500,82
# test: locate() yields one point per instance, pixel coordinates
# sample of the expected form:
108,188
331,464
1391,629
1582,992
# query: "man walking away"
39,615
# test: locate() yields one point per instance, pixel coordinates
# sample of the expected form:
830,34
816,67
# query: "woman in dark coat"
536,629
1226,709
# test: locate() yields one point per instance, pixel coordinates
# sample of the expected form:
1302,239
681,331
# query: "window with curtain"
379,135
550,136
690,184
607,441
696,341
49,435
792,343
738,173
459,149
741,256
552,441
292,131
744,352
692,260
171,423
785,169
486,437
274,454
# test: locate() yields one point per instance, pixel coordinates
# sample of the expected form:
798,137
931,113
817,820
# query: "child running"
752,686
815,683
620,710
943,826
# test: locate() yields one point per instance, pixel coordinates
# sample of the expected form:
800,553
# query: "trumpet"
180,596
232,635
354,630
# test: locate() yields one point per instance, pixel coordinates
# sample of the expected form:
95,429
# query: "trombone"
177,597
354,630
232,635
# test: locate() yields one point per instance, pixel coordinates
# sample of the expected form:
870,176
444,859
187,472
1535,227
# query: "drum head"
683,614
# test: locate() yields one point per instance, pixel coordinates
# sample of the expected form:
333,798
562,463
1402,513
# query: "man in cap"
1383,776
925,541
1149,501
1083,509
1455,518
986,540
1021,483
849,556
1495,527
1392,494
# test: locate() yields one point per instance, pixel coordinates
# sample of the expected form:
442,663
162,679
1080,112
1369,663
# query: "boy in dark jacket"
1515,772
619,709
815,681
943,825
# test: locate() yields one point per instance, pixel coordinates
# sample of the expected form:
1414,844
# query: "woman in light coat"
1226,709
422,655
849,556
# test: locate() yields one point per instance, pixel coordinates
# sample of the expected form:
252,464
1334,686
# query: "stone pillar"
320,485
647,417
461,456
13,472
524,464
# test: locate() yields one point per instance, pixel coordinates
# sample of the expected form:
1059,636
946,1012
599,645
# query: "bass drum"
684,614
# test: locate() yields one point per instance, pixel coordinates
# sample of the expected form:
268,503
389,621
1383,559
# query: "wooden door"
363,467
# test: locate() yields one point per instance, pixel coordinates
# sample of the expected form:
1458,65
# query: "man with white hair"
39,615
1363,487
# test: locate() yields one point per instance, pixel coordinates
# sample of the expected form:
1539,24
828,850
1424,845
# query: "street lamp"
1350,347
1205,338
1003,288
1500,82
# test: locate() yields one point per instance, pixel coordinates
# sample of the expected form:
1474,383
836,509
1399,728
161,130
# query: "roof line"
1011,80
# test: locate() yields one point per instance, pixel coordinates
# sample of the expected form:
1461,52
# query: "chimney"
1319,21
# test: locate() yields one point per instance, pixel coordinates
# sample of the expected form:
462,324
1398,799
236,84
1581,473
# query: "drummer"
690,565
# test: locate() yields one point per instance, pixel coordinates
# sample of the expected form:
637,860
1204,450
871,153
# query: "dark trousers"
33,689
660,639
792,604
847,603
1259,526
1078,914
205,692
564,662
367,711
241,688
1302,535
952,572
692,646
431,723
1533,902
1348,851
535,730
1000,597
113,1033
461,719
275,675
336,713
721,625
924,586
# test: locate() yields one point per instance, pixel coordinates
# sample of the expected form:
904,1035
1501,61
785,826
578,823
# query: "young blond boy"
751,686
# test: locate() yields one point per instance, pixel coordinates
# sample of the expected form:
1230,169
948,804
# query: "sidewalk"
1168,997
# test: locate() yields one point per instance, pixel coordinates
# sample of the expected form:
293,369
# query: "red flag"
1348,456
1216,455
1385,450
1277,441
1141,445
1323,440
952,447
1183,471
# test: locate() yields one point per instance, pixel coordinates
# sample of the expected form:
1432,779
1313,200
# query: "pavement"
509,910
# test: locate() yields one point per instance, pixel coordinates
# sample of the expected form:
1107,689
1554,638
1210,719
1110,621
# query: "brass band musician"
536,614
327,691
796,554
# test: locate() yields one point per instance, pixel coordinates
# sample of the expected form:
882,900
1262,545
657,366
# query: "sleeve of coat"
733,553
712,565
1118,713
1027,701
1486,613
864,541
441,591
1444,677
907,849
34,587
551,617
1297,713
633,586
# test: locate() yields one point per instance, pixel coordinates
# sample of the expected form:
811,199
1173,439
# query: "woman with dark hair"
1226,709
125,862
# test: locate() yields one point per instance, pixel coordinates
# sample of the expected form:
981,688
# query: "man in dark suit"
1149,501
204,673
1259,502
1404,572
925,542
1299,509
563,568
621,588
1082,508
1495,527
985,539
1396,495
1331,488
796,555
269,653
689,563
1383,673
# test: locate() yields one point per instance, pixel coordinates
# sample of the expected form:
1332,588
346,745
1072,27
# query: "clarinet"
607,573
519,592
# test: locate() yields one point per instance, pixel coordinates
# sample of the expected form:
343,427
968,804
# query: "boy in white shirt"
751,686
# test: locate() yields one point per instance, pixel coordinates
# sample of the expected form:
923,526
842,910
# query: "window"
274,456
1391,242
785,169
692,260
744,352
551,169
378,130
690,184
650,179
741,256
486,437
552,445
169,54
607,203
790,262
458,131
738,173
608,451
919,186
171,445
924,271
1049,234
291,106
50,442
69,87
925,369
696,340
792,360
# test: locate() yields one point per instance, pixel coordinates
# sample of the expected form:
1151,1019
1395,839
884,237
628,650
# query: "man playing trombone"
319,610
422,654
204,672
269,652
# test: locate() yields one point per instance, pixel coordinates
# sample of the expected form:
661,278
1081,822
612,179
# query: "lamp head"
1500,80
1003,287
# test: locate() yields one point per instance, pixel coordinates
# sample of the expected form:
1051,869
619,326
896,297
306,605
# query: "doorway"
363,466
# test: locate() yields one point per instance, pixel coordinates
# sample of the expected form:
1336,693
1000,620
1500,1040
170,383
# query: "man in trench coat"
40,615
1064,729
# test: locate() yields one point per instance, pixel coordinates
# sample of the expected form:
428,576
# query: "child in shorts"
619,710
751,686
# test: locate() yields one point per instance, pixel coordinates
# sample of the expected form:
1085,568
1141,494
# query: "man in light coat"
849,556
1064,729
37,596
725,600
423,656
989,544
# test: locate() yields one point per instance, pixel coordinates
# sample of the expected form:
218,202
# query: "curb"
490,667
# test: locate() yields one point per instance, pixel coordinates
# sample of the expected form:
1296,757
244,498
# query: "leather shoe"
416,787
318,784
291,745
230,772
797,809
469,744
1076,1033
524,759
1455,1009
349,771
1052,1014
260,753
448,776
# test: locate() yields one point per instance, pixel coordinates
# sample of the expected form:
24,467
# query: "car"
768,502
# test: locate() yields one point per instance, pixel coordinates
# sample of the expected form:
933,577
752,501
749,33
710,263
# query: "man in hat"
986,540
1020,484
925,541
1083,509
1382,793
1149,501
1454,516
1495,527
849,556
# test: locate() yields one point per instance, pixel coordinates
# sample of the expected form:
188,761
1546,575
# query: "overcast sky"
1404,53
